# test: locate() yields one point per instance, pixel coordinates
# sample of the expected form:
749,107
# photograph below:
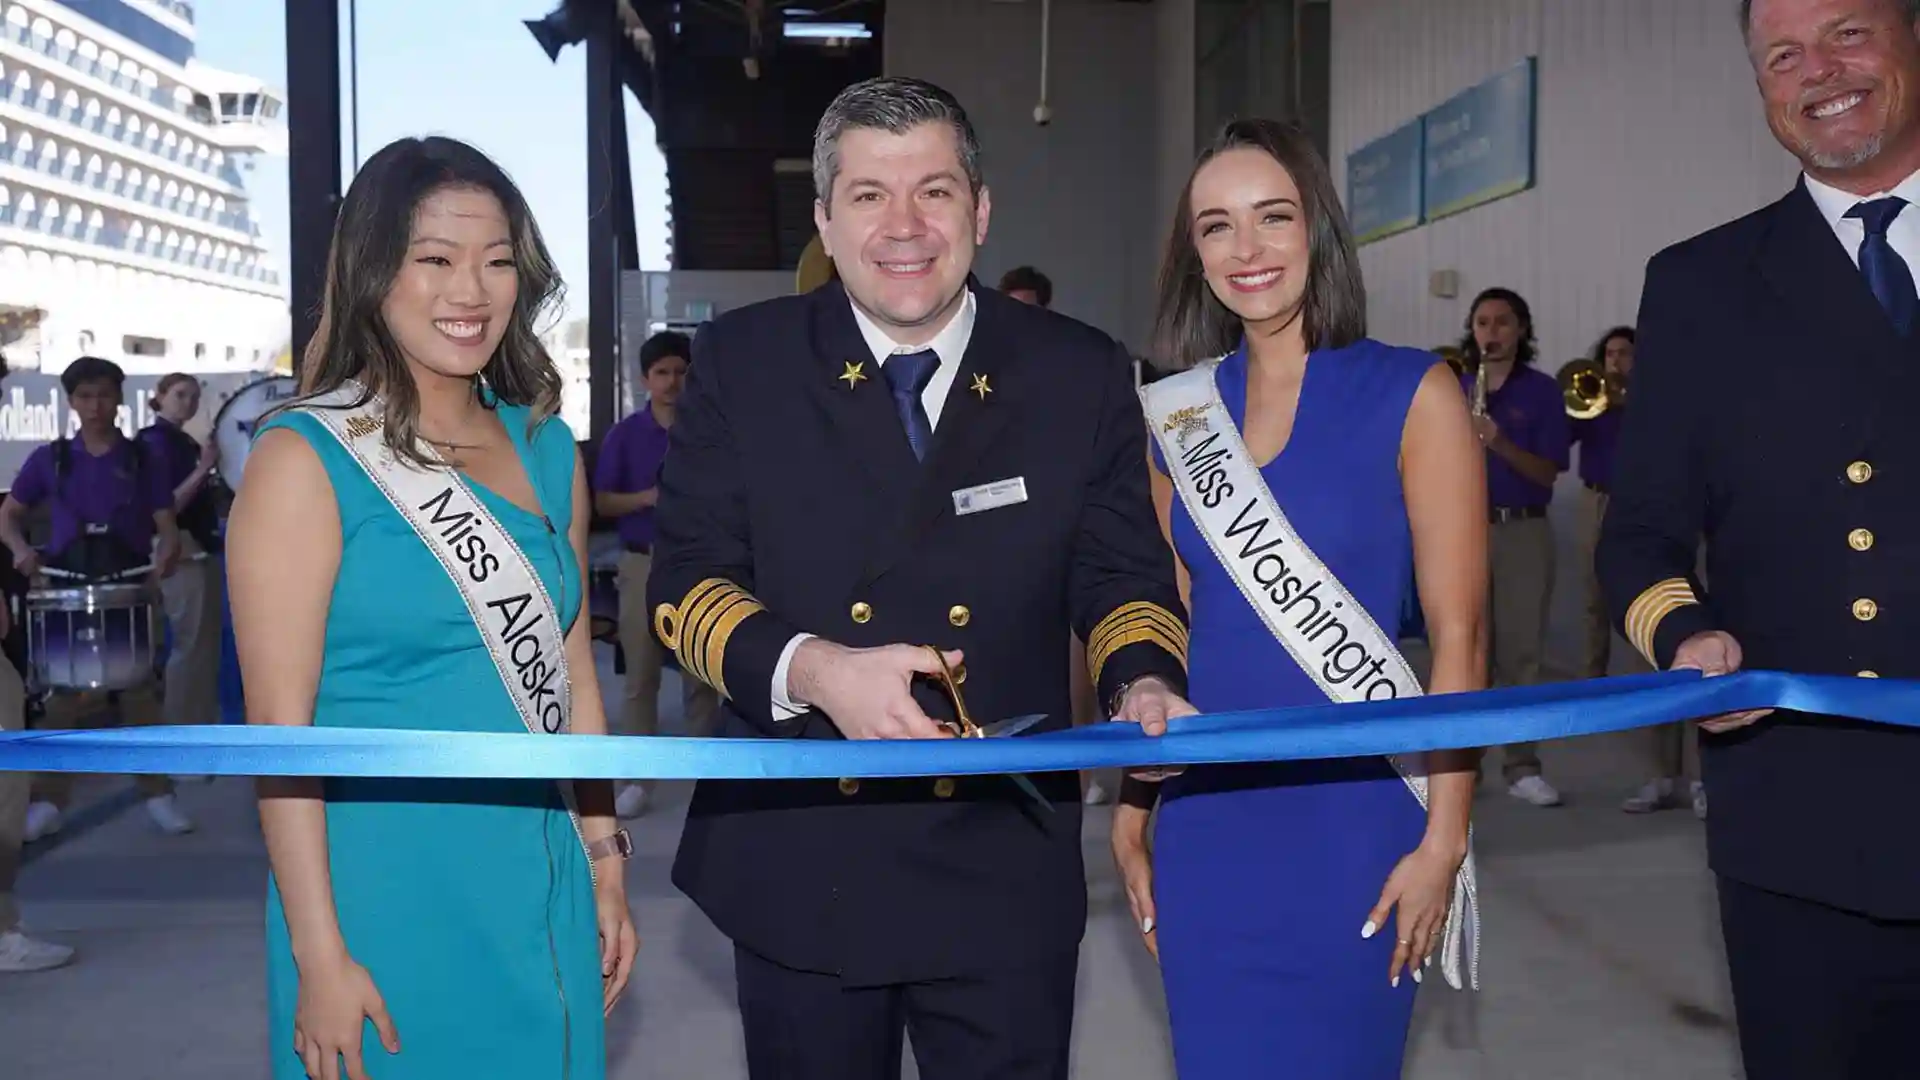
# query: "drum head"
234,425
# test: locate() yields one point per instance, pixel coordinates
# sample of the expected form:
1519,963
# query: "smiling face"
903,226
1840,80
450,304
1251,234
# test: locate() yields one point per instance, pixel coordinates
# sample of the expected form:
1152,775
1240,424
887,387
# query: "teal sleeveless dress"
469,902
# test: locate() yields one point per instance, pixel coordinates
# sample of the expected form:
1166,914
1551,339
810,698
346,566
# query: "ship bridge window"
135,345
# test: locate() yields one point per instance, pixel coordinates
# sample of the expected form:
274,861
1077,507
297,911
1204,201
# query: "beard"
1851,157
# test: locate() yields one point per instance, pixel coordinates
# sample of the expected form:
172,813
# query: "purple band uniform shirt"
1532,415
629,464
114,490
1597,438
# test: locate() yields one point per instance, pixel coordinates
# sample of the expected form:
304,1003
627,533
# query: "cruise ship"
124,223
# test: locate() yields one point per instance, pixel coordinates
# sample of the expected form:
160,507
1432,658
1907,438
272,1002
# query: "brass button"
1865,610
1860,539
849,786
1859,472
1867,675
861,612
943,787
958,615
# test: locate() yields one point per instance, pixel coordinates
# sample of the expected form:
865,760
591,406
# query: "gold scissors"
965,728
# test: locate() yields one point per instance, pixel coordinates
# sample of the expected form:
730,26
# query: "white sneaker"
43,819
1654,795
165,813
20,953
1535,790
1096,795
631,802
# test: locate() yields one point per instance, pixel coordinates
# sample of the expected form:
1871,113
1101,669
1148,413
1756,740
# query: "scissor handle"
965,728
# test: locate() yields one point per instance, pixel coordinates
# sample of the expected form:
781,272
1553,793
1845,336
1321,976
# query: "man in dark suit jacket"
902,459
1772,415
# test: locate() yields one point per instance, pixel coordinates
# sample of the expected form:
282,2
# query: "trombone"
1589,389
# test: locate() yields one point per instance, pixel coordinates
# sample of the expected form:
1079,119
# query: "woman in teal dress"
425,930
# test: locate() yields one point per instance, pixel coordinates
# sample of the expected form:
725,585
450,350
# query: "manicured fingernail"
1429,961
1416,974
1146,925
1396,981
1368,930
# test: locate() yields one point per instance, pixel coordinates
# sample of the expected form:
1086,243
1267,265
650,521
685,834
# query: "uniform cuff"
1135,641
1661,617
727,639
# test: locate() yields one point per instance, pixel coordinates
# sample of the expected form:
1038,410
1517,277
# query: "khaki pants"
73,710
646,660
14,787
192,597
1520,587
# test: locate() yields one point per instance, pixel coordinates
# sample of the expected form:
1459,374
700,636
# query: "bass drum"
234,424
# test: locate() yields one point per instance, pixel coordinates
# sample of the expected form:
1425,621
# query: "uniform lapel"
1805,264
974,415
857,407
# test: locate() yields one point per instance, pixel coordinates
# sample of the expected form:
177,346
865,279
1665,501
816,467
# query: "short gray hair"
894,105
1746,14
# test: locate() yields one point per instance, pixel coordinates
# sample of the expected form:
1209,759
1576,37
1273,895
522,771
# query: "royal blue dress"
1265,873
470,903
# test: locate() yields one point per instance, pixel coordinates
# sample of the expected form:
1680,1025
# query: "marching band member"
1527,436
897,462
192,596
110,511
406,552
1772,417
626,488
1287,901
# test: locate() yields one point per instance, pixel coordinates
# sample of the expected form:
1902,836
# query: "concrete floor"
1601,957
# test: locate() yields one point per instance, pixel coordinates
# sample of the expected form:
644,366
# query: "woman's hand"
1421,887
336,999
1134,859
619,941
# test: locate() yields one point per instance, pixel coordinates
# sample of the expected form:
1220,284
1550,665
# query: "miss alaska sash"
1326,631
504,595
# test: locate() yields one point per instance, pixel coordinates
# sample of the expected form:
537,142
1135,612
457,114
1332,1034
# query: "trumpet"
1589,389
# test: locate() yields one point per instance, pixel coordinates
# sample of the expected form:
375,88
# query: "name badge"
973,500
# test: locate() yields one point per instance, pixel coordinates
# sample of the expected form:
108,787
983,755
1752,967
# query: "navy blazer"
1773,417
792,501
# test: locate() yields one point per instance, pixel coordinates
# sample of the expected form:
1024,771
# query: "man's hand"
867,693
1150,702
1715,652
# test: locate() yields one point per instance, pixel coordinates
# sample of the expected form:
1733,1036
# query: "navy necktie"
1886,272
908,375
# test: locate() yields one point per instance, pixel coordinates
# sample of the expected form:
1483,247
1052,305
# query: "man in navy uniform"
902,459
1772,415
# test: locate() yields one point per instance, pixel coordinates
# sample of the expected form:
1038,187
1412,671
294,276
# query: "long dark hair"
1190,322
1600,347
1527,350
370,240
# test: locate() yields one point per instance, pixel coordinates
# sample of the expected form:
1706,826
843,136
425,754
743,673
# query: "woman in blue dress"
1287,901
448,929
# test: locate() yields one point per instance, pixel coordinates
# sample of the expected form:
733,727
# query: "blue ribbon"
1438,722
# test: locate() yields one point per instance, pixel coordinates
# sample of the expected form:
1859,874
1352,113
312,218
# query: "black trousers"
1011,1025
1820,992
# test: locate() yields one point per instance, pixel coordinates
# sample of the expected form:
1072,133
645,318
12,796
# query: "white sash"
1326,631
504,595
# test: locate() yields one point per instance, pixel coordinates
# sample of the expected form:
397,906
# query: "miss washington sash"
505,597
1328,633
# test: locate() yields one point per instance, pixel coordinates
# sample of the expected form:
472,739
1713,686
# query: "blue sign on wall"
1479,145
1383,184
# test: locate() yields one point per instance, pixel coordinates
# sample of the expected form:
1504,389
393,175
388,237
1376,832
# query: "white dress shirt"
949,345
1903,234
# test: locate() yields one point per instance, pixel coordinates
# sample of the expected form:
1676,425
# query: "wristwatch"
618,844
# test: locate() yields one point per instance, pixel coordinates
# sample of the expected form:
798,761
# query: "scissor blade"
1033,793
1011,726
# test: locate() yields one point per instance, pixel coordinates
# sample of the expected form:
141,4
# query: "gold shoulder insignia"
698,629
1132,624
1660,599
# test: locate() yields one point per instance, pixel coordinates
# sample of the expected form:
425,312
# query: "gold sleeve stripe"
1133,624
698,630
1650,607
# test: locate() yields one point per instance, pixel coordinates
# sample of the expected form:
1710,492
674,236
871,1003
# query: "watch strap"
608,846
